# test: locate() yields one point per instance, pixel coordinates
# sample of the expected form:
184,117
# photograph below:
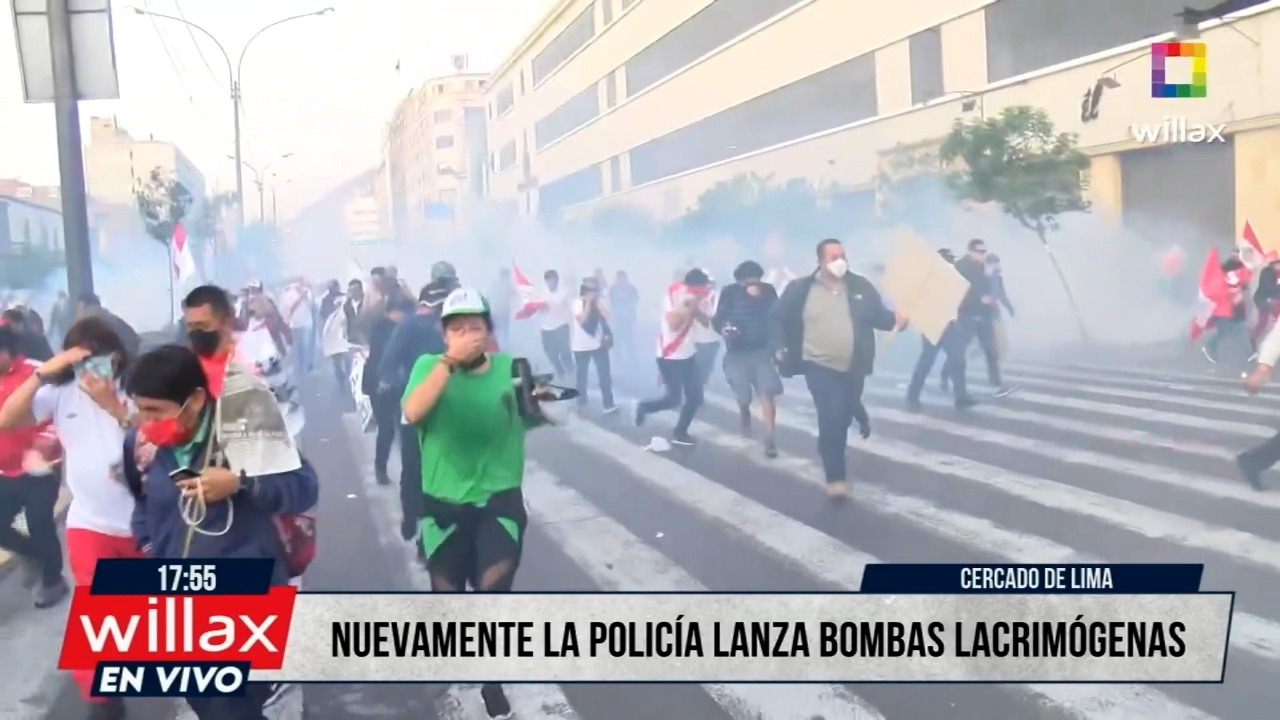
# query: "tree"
910,186
203,230
1018,161
163,203
750,207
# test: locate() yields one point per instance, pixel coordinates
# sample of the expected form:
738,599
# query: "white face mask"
838,267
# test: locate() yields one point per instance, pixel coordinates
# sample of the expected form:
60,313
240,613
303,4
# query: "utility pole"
235,109
262,203
75,201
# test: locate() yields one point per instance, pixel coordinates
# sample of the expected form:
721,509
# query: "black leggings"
480,552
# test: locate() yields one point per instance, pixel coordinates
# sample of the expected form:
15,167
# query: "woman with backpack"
191,504
471,428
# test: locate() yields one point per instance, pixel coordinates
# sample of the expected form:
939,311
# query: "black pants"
604,375
682,390
984,330
706,356
248,707
837,398
410,476
35,496
1262,457
555,343
386,413
342,371
954,342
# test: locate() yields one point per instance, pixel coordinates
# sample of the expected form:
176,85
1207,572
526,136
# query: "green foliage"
205,224
1018,161
750,207
27,267
163,203
911,185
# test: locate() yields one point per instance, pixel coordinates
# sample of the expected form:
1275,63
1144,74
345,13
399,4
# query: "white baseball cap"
464,301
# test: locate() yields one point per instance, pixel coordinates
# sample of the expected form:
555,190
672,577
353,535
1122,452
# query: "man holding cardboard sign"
928,290
824,326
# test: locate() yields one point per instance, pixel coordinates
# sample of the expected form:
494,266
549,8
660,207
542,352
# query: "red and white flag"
180,256
530,302
1215,295
1251,252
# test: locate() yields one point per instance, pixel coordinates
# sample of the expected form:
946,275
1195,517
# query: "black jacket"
415,336
865,307
750,315
979,286
379,334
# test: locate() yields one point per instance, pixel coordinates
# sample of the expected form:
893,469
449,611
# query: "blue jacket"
415,336
161,532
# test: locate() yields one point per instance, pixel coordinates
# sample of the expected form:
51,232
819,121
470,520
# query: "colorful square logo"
1162,85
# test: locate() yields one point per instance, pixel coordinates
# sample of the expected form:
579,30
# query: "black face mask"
204,342
474,364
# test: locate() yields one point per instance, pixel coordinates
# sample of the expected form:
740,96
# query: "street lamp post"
275,213
233,79
258,179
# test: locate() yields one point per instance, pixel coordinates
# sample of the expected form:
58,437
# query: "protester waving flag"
530,302
1251,252
1215,295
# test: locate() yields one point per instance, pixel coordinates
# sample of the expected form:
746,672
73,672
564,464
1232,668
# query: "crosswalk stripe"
1136,413
618,560
1243,407
1150,472
1130,516
820,556
1053,422
1215,386
1250,633
1147,372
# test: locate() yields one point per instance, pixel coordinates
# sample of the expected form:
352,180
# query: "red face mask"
166,432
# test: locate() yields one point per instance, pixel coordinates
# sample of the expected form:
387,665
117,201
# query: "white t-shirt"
579,339
673,345
295,305
705,334
559,310
93,447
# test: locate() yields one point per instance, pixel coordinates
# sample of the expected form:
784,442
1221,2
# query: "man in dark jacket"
386,405
172,455
977,315
414,336
742,319
90,304
952,369
825,327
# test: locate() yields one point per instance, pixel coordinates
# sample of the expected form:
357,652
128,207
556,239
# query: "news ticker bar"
253,577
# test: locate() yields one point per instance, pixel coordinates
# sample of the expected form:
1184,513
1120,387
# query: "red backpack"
298,538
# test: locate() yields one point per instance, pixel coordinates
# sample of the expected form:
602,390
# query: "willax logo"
1177,130
1179,70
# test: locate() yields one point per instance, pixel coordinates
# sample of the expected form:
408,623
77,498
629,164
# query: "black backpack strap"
129,466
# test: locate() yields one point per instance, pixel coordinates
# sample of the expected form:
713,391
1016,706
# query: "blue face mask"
100,365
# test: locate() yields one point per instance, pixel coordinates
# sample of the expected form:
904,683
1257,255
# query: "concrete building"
650,102
115,163
434,154
47,195
361,218
26,225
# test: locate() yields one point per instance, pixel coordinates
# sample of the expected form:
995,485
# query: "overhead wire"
173,62
177,5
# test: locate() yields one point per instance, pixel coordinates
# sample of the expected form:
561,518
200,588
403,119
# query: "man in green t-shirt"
471,431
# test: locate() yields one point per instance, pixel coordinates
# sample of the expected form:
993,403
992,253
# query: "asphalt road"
1081,464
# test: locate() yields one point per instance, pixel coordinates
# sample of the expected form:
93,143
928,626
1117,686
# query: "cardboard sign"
923,286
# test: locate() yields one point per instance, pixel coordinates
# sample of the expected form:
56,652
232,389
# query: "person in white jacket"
1259,459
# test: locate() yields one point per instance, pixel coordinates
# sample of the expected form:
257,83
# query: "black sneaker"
408,528
638,415
495,702
965,403
109,709
683,439
383,478
46,596
1249,472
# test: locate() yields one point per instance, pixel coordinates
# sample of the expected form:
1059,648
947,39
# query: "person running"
554,319
683,311
742,317
592,339
385,403
824,327
79,393
472,437
706,341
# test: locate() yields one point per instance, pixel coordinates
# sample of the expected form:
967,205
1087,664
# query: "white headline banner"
730,637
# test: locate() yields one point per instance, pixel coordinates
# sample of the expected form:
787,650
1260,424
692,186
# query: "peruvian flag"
530,303
180,256
1215,295
1251,252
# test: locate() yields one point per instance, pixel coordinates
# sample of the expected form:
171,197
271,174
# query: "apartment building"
651,102
26,225
433,154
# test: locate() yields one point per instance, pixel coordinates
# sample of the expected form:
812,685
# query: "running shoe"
495,702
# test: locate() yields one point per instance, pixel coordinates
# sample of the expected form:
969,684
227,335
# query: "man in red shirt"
211,329
29,486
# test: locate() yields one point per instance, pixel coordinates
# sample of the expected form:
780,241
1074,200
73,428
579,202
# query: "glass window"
573,114
926,65
615,174
606,8
473,115
611,90
838,96
576,34
507,156
442,115
572,189
713,26
444,141
502,101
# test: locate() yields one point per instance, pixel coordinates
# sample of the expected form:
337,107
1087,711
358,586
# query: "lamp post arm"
231,78
249,42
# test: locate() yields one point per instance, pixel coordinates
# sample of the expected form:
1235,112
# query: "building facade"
651,102
27,226
433,155
48,195
115,163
